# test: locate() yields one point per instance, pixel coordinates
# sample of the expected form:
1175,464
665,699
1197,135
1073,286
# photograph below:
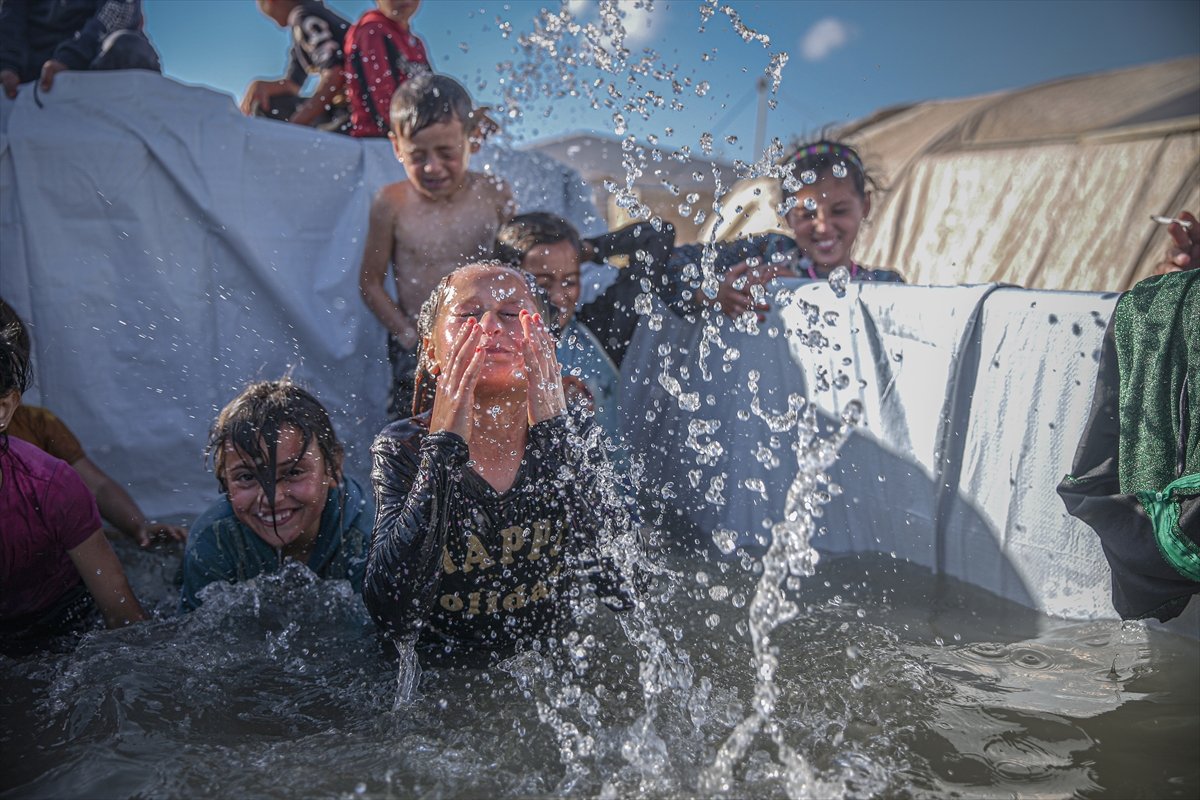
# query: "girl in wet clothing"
829,193
279,464
488,498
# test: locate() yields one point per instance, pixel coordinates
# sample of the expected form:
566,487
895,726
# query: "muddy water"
891,684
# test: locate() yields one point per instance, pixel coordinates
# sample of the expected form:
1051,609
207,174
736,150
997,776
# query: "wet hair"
822,156
426,382
10,319
15,371
427,99
253,421
521,234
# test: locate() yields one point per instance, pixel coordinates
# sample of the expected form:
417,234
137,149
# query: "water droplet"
839,280
808,176
838,170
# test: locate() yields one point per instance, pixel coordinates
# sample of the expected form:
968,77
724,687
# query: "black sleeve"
14,47
613,316
78,51
1143,583
598,514
413,492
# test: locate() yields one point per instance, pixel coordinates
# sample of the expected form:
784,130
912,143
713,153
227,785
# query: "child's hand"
546,398
49,70
735,296
1183,253
578,394
10,81
150,530
455,399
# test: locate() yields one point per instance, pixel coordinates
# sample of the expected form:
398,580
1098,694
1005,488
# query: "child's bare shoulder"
491,189
394,195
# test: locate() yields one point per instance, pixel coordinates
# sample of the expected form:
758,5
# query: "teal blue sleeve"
204,560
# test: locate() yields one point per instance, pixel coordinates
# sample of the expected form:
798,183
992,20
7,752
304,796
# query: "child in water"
829,190
486,501
56,565
279,463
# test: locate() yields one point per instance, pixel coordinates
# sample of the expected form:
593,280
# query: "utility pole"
760,129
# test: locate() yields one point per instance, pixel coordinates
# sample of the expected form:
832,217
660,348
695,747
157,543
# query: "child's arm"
105,579
120,509
372,275
332,81
414,493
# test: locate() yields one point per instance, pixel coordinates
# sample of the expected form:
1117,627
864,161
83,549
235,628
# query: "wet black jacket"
460,564
71,31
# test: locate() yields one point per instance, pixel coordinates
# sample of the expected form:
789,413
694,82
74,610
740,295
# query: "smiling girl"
279,463
832,200
487,498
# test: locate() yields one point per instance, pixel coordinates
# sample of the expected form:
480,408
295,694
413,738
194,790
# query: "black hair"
10,319
828,157
427,99
253,421
521,234
426,382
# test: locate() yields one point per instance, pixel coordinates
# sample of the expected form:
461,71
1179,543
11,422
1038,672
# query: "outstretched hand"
735,296
546,397
455,399
1183,253
150,530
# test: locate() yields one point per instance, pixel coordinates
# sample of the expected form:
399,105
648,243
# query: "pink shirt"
45,510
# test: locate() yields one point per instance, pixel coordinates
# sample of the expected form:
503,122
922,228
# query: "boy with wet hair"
317,36
443,216
592,342
382,52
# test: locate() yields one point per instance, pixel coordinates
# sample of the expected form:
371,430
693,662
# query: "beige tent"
664,185
1046,187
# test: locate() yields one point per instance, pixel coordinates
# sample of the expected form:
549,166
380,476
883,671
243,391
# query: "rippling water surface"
892,684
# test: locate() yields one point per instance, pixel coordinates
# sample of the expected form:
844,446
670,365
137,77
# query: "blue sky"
845,59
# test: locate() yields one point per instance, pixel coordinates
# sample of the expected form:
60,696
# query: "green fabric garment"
1157,334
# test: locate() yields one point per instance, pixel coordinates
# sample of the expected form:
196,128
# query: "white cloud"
824,37
640,23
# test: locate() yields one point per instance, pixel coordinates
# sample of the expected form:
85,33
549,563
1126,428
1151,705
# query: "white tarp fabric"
165,250
973,401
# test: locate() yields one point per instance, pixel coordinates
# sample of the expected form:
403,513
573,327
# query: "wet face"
556,268
399,10
826,219
302,482
494,297
435,158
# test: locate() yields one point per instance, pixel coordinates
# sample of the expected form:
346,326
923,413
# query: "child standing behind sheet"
382,52
441,217
279,463
317,36
830,192
592,344
56,565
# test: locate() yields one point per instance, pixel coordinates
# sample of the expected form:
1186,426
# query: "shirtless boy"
443,216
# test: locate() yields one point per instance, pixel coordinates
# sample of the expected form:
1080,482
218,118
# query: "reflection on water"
280,688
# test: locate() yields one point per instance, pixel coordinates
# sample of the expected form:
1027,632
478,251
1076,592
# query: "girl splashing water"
487,501
279,463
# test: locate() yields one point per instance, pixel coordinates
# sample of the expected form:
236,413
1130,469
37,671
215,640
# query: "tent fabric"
165,250
1048,187
973,400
